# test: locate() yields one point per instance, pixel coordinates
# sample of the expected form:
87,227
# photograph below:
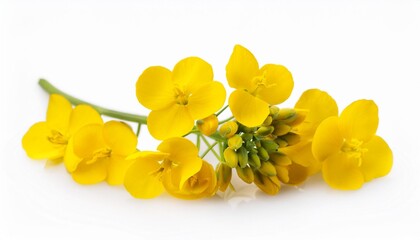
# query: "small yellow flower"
318,106
176,162
256,88
350,149
200,185
97,152
49,139
179,97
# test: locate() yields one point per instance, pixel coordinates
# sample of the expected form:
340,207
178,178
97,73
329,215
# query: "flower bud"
208,125
264,131
231,158
247,136
282,143
267,169
245,174
274,110
254,160
235,142
286,115
242,157
268,121
291,138
224,175
228,129
300,117
263,154
269,185
280,159
281,129
269,145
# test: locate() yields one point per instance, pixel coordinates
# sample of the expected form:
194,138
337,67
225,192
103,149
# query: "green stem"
223,109
226,120
210,148
49,88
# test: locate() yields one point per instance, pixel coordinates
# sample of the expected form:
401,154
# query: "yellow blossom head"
49,139
179,97
97,152
176,162
351,152
256,88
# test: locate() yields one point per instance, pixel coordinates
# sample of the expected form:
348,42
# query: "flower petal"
191,73
300,153
58,113
297,174
71,160
117,168
142,179
241,68
247,109
183,153
174,121
120,138
377,161
278,86
319,105
88,140
155,89
36,143
83,115
206,100
327,140
90,173
359,120
341,172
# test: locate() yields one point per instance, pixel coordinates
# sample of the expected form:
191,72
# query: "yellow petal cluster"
179,97
49,139
176,167
349,148
256,88
98,152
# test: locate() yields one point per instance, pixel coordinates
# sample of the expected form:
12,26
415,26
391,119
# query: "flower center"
99,155
260,82
192,181
354,149
57,138
181,97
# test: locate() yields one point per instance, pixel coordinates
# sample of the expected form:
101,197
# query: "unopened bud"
286,115
281,129
254,160
274,111
269,185
231,158
263,154
267,169
235,142
280,159
269,145
245,174
247,136
246,129
264,131
291,138
208,125
228,129
268,121
224,175
281,143
242,157
300,117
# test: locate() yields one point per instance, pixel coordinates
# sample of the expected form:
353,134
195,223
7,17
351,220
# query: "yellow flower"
318,106
179,97
176,162
352,152
97,152
48,140
256,88
200,185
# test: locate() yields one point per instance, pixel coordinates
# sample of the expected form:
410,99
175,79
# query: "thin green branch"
210,148
49,88
223,109
226,120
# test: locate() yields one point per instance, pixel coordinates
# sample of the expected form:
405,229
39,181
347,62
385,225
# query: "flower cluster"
265,144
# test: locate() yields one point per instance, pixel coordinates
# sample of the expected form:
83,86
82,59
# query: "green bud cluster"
249,149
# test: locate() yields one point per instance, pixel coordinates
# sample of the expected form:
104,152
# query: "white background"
97,49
